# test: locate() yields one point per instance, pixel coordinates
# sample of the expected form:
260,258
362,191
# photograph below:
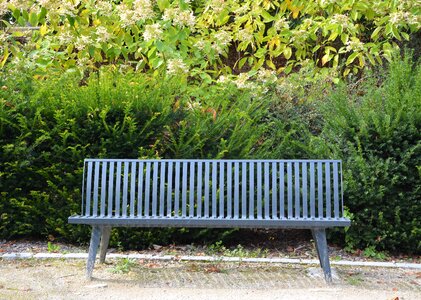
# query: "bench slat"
229,190
177,189
96,185
214,188
297,213
88,189
320,189
169,188
184,190
162,189
126,167
312,191
251,189
221,190
328,192
117,189
199,189
207,189
243,190
140,190
267,200
259,190
147,189
289,178
110,189
335,190
281,190
103,188
192,184
236,189
274,191
304,189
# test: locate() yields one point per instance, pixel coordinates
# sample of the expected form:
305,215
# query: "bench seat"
210,222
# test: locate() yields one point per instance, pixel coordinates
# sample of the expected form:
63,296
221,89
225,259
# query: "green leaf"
270,64
351,58
395,33
333,36
260,53
21,21
16,14
33,19
287,52
42,14
405,35
242,62
163,4
6,54
376,32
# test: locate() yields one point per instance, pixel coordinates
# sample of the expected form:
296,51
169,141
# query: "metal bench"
212,194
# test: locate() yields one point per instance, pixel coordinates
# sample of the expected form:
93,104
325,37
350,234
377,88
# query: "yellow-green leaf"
43,30
288,52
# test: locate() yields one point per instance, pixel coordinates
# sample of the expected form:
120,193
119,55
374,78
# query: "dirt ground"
141,279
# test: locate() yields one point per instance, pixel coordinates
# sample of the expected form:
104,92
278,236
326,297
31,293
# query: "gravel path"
137,279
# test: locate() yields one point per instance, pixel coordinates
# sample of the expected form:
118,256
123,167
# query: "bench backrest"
238,189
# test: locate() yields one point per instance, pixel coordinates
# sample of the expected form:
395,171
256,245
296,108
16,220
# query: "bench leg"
93,248
105,239
319,235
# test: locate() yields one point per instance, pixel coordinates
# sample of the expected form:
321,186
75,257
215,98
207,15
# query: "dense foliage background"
210,79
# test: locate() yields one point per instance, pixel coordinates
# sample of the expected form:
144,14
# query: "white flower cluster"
65,37
102,34
82,42
266,76
3,36
19,4
217,6
299,37
104,7
245,35
64,7
280,24
354,45
242,9
404,17
178,17
176,66
222,39
142,10
324,3
152,32
242,81
126,15
200,44
340,19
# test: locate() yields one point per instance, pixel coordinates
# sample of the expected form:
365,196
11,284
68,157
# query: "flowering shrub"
209,38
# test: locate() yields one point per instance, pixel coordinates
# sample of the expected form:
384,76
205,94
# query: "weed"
52,248
373,253
355,279
123,266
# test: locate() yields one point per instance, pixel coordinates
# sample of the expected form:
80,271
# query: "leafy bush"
209,37
374,126
48,127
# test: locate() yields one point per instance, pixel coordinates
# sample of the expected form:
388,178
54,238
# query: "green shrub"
374,126
48,127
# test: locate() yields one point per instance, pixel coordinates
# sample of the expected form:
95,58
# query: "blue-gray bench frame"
304,194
